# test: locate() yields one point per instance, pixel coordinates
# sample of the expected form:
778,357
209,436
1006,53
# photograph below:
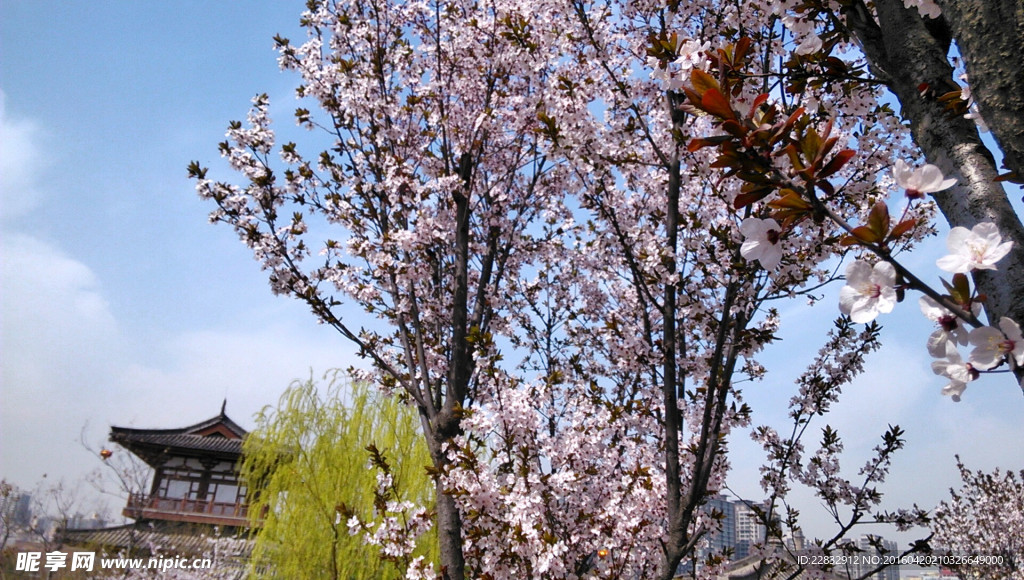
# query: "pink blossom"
956,370
918,182
691,55
951,328
810,45
927,8
954,367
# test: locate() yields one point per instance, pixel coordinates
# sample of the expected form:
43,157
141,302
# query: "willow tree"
321,458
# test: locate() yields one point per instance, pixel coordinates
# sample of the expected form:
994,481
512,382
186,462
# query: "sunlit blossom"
953,367
978,248
668,78
869,290
810,45
918,182
951,327
691,55
927,8
992,344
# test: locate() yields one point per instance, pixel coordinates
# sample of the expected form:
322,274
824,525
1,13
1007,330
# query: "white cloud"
60,342
20,163
67,362
53,310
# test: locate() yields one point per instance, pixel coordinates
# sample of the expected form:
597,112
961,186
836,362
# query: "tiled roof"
154,541
755,567
181,441
217,434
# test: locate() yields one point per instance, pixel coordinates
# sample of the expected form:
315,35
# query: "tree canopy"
572,221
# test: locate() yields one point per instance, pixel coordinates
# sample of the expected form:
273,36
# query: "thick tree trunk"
447,516
990,36
447,424
903,53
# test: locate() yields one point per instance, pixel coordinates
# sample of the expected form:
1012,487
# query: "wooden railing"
205,511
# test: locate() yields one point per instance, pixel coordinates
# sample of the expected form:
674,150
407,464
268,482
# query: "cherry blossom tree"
982,527
435,178
568,222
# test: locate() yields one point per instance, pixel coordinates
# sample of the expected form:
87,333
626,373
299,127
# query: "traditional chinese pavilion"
195,496
195,477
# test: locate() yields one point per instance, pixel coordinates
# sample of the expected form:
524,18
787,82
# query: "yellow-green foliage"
308,456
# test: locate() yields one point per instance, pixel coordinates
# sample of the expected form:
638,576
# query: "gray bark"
990,36
449,535
904,54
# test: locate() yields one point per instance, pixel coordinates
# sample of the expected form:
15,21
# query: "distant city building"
725,536
741,527
16,508
875,546
86,522
750,529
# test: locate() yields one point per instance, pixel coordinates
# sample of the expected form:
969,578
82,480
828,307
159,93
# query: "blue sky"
122,305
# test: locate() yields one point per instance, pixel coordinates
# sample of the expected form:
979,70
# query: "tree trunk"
903,53
990,36
449,536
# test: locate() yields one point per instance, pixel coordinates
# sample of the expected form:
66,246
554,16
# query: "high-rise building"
741,527
750,529
724,511
16,508
875,546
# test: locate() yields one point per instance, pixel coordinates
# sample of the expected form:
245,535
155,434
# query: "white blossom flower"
953,366
954,389
974,114
810,45
669,80
354,525
918,182
691,55
976,249
951,327
868,291
992,344
761,241
956,370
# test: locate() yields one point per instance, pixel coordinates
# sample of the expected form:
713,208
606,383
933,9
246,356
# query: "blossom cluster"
872,289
